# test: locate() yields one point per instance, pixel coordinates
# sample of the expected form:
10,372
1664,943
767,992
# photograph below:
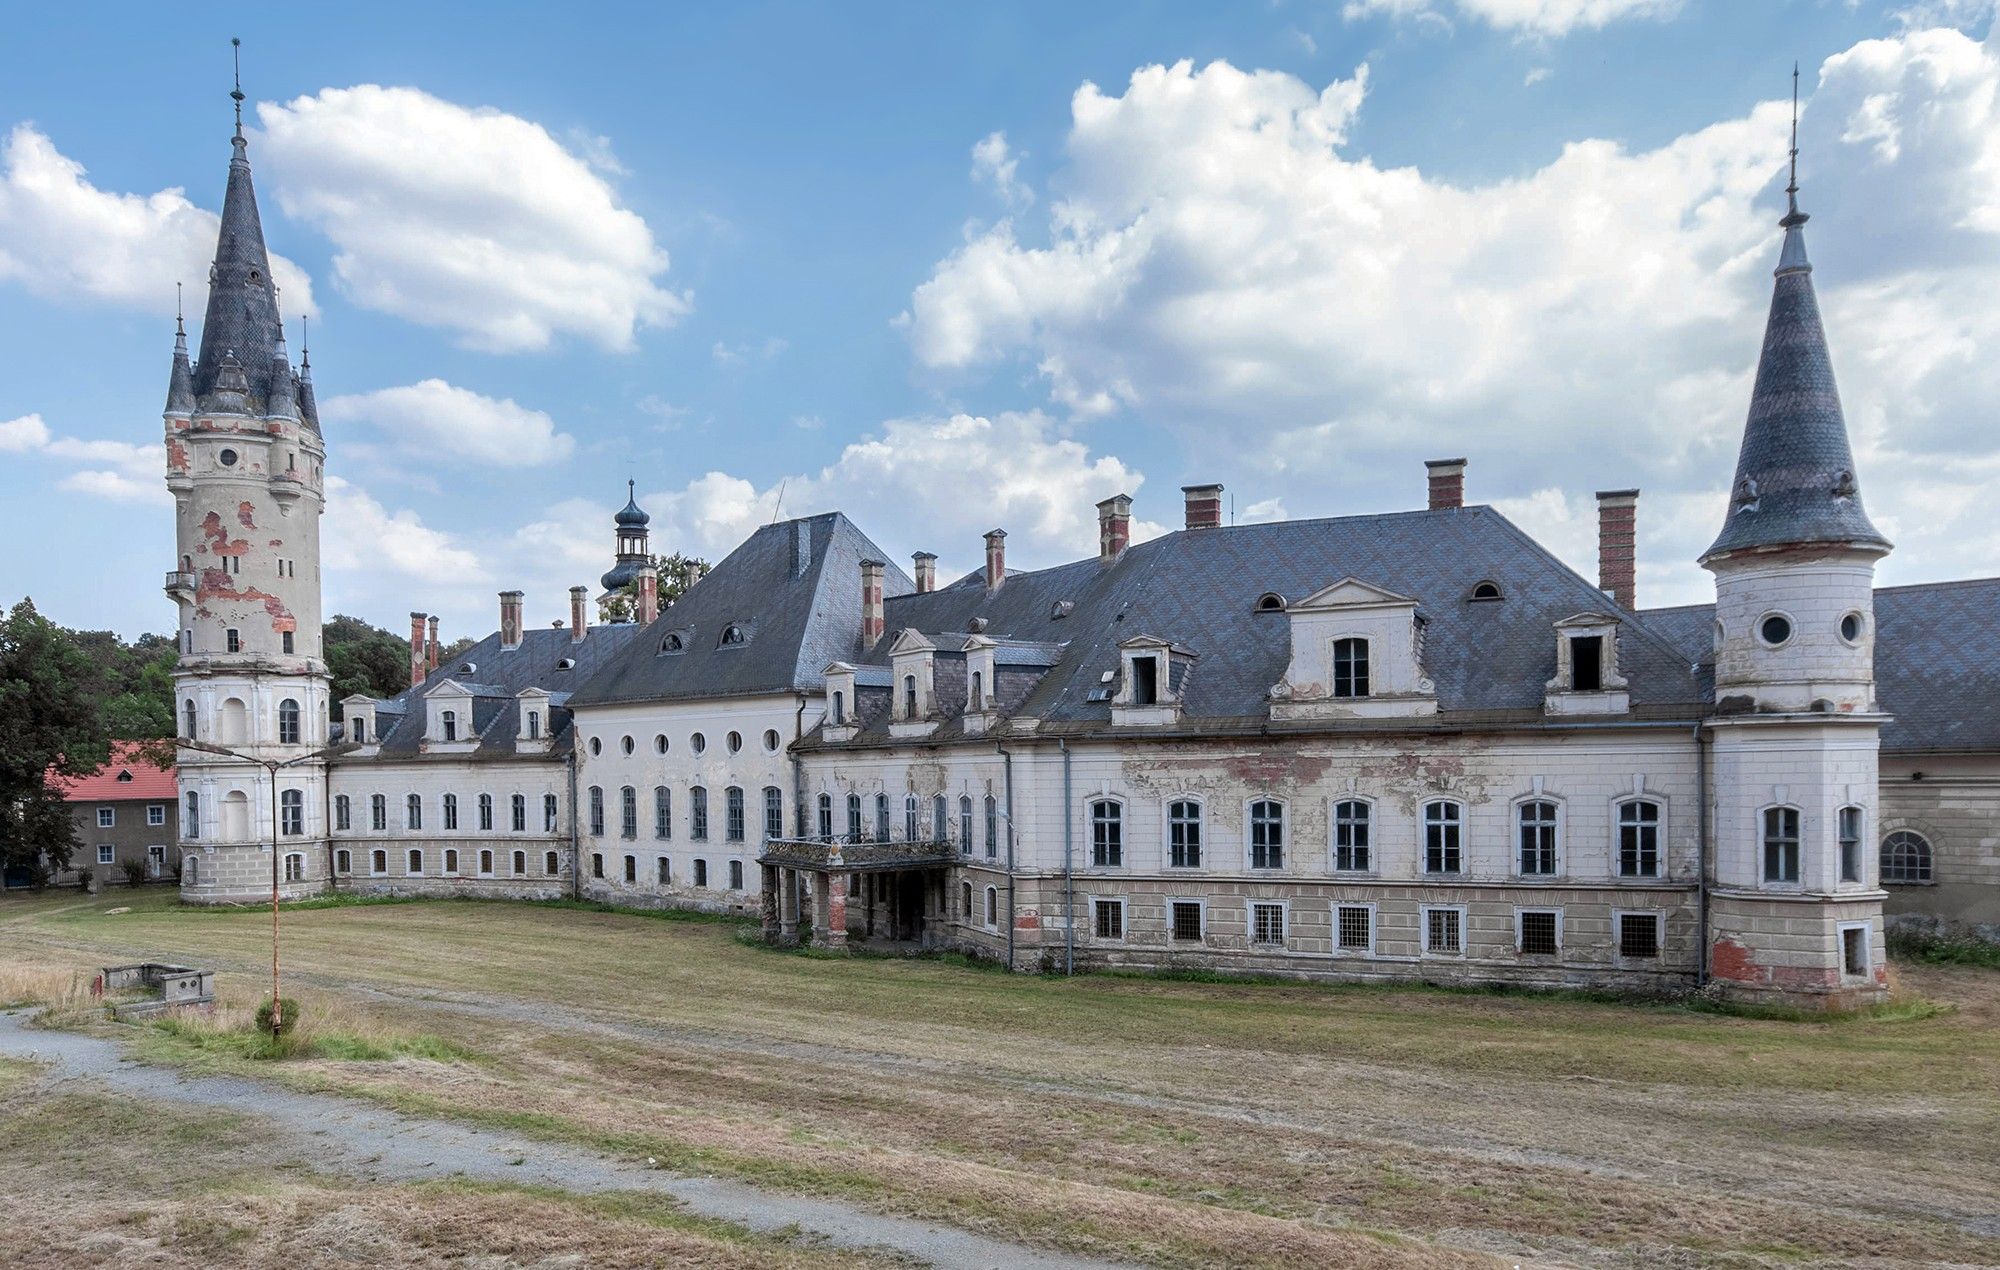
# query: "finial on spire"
236,56
631,490
1793,216
179,326
305,343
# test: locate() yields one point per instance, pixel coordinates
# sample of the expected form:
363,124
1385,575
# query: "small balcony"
180,585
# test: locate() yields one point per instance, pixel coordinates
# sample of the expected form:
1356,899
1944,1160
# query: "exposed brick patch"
1732,961
177,455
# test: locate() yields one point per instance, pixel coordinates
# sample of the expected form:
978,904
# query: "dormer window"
672,643
1586,659
909,696
358,725
466,668
1587,679
1350,668
448,722
567,663
534,725
732,634
839,707
1270,602
1146,681
975,693
1488,590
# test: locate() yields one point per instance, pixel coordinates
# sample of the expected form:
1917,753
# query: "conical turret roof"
242,315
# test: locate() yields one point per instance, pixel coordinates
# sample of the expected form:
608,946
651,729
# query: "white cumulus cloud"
472,220
434,417
119,471
1527,17
63,238
995,163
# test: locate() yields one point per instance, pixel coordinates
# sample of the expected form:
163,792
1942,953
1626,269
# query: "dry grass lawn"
1167,1122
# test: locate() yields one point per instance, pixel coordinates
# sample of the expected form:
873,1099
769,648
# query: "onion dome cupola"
633,554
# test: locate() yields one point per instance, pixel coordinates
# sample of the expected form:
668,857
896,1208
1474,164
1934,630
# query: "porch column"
836,911
768,905
788,905
868,889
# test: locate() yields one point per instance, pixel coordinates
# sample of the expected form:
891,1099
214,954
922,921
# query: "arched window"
826,816
1639,838
909,817
733,814
992,827
295,868
839,707
1443,848
909,696
520,863
378,862
732,634
288,722
378,812
292,812
1486,590
187,719
191,865
449,720
1535,825
671,643
413,812
416,862
486,813
774,812
1184,834
235,816
518,806
343,862
965,901
597,811
235,721
881,817
1351,851
551,813
1267,834
191,826
450,859
357,728
701,873
1906,858
975,697
992,906
965,830
1350,668
698,813
940,818
665,871
1107,834
450,807
663,812
628,812
1270,602
1781,844
534,725
551,863
854,817
342,812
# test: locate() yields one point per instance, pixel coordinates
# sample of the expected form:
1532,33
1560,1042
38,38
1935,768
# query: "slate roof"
795,589
242,315
1199,589
1795,479
1937,661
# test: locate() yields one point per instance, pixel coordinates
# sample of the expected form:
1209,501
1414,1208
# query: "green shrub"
84,877
290,1018
135,873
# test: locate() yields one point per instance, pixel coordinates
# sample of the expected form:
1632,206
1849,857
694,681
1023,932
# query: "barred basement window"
1538,933
1442,822
1639,935
1350,836
1110,918
631,869
415,864
1537,828
1781,844
1185,916
596,864
343,862
378,862
520,863
551,863
1639,839
1441,931
1267,923
486,864
701,873
1107,835
1356,928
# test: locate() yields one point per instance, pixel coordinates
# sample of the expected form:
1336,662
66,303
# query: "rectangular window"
1267,923
519,809
292,811
231,640
550,813
1350,668
415,863
551,863
1441,931
992,828
413,812
1586,662
106,817
596,864
628,812
156,814
1781,844
1355,928
1267,835
1110,919
666,870
701,873
736,875
1639,935
1539,933
106,853
450,803
631,869
1107,835
1854,949
1537,830
1145,681
486,813
1639,839
732,810
1350,836
288,641
1441,838
1184,835
1186,919
342,812
663,812
378,813
774,813
596,811
698,813
1850,844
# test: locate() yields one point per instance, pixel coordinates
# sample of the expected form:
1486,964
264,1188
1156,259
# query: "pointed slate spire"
281,401
242,310
180,383
1795,482
308,408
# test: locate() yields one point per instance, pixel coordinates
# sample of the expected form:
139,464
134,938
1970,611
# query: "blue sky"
901,260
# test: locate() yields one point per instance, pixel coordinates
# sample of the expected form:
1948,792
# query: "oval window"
660,743
1775,629
625,744
596,746
735,742
1850,628
699,742
771,740
227,458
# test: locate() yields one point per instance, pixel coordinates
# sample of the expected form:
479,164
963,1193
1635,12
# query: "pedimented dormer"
531,730
1357,653
1587,679
358,714
913,683
981,695
842,710
448,726
1150,674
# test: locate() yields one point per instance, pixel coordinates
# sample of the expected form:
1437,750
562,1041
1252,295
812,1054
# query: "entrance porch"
885,892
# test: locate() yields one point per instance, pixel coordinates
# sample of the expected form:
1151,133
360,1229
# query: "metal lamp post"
271,766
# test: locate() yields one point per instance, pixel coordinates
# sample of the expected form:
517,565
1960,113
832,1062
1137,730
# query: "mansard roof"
1937,661
795,585
1198,589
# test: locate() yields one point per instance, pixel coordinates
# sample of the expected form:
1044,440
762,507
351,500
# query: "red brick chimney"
648,606
419,663
510,619
872,619
925,563
432,648
1447,480
1114,527
1617,555
996,558
1204,506
579,614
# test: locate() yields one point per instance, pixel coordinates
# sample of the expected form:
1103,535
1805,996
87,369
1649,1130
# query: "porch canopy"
900,886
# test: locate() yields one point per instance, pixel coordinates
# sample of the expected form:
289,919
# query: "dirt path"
351,1138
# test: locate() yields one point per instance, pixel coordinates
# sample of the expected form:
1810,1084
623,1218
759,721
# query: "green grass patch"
179,1038
1943,948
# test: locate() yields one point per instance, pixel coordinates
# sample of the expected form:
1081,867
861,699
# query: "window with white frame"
1107,834
288,722
486,813
992,907
343,861
107,817
343,812
1639,838
1184,921
1109,918
1538,932
1850,844
1906,858
106,853
450,807
1639,935
1444,933
295,868
1354,928
1854,950
378,812
1267,834
292,812
1351,826
1535,826
1184,834
734,818
1443,848
1350,667
551,813
1267,923
1781,844
156,815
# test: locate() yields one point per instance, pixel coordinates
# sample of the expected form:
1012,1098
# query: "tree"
622,605
51,724
364,659
136,682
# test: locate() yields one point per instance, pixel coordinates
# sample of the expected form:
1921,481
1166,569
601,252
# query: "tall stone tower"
245,461
1796,908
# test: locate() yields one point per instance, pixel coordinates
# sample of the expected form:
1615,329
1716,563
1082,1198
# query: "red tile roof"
128,775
